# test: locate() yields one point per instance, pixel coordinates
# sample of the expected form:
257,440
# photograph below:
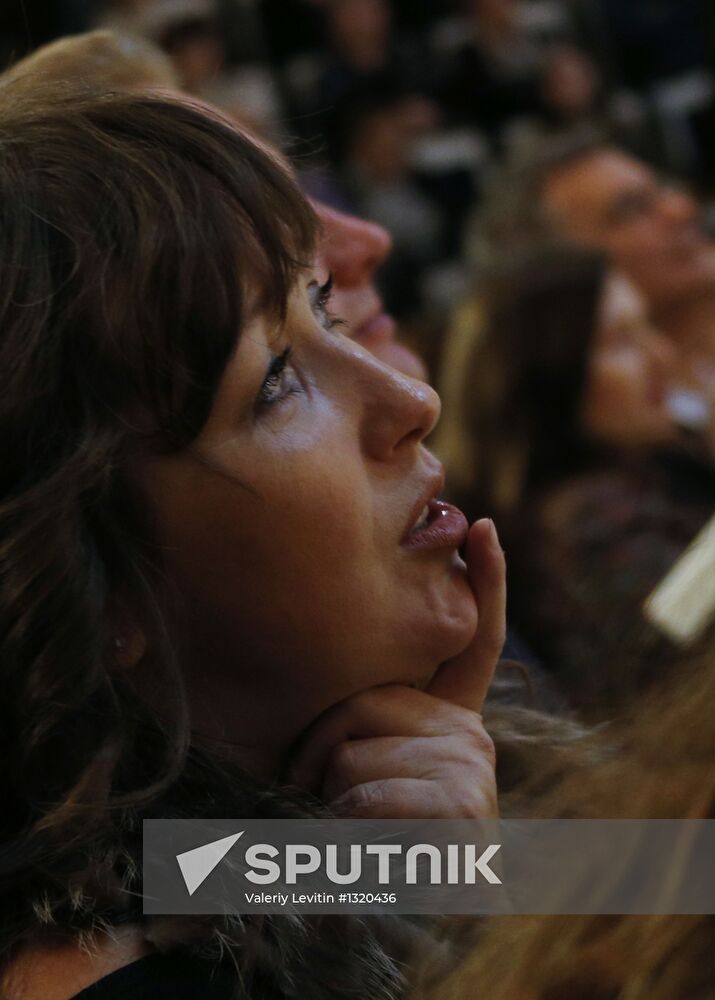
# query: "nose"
398,412
353,248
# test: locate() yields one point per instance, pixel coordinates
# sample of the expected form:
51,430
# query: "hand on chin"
398,752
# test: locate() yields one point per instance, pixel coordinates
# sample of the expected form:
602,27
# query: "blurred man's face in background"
649,228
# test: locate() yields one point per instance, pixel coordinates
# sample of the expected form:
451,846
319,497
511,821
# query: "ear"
129,641
129,647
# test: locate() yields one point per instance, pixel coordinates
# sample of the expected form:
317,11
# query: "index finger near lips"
465,679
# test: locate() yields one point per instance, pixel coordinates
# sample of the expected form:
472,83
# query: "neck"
261,763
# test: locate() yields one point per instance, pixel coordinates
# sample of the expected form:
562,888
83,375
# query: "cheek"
643,252
301,595
618,382
268,569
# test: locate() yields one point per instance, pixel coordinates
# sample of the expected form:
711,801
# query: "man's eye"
632,206
276,385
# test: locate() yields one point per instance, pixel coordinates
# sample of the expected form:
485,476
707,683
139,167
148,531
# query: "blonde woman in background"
658,764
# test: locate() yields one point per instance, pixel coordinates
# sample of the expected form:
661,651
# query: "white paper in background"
683,604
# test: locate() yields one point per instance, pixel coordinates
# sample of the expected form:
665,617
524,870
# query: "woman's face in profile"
287,533
633,368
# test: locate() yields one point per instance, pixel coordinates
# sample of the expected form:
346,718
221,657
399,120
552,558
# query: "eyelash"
280,363
330,322
273,380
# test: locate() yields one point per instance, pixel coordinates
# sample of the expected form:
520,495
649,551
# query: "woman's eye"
320,305
280,381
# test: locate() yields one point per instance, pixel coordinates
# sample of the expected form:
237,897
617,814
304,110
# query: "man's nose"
353,248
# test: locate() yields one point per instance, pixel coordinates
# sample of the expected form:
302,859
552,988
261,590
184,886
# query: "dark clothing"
657,40
162,977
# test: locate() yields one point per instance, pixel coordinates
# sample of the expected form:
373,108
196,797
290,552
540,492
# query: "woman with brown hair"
227,584
565,426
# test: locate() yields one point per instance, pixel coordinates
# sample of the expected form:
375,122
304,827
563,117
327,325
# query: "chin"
449,626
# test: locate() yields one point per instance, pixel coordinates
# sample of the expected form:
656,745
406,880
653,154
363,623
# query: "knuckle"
480,742
368,798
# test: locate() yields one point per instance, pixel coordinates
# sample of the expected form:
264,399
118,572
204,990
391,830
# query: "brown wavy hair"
512,417
136,235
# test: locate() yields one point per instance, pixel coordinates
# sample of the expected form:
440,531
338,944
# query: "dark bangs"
138,233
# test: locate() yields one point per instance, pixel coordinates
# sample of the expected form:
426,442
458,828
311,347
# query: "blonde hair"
96,60
658,764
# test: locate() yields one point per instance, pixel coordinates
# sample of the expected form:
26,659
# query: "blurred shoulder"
595,499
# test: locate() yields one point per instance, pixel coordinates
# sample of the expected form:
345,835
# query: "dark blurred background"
396,109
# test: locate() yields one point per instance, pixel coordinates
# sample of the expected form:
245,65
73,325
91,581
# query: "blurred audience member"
379,179
573,96
188,31
360,33
599,196
571,86
492,75
192,34
364,59
656,764
564,430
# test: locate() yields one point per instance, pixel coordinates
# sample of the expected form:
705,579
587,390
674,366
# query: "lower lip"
447,528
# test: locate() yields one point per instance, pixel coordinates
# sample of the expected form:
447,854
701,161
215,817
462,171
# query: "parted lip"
432,489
